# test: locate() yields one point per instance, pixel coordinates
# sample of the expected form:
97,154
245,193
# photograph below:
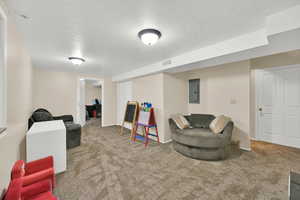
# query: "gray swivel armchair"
199,142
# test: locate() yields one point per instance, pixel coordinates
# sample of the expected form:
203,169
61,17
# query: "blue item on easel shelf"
146,106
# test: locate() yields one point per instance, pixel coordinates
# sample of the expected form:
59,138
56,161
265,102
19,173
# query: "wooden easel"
146,121
130,116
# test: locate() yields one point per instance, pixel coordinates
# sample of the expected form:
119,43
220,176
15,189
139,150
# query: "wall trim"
168,141
109,125
227,47
3,69
246,148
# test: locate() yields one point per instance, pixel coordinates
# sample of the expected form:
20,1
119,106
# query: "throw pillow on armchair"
219,123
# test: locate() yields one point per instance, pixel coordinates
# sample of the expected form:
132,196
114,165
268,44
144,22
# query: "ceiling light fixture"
76,60
149,36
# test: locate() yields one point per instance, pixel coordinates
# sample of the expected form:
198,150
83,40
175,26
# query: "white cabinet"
48,139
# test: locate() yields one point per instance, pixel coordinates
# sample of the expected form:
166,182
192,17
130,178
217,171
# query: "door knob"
260,109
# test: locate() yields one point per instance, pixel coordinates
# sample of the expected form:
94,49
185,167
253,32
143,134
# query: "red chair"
37,191
34,171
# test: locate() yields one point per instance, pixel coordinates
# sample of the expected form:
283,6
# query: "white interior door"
279,105
124,94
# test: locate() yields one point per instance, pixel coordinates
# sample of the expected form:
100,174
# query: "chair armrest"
227,132
35,189
47,174
18,169
30,122
39,165
65,118
14,190
174,128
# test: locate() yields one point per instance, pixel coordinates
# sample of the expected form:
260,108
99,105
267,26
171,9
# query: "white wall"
55,91
124,94
58,92
166,93
175,100
225,90
109,102
19,102
150,89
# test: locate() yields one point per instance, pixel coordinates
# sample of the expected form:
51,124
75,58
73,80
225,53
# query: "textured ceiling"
105,32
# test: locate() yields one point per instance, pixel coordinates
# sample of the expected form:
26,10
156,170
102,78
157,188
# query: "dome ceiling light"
149,36
76,60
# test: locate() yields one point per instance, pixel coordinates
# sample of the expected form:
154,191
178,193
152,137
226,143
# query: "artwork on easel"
146,120
131,114
144,117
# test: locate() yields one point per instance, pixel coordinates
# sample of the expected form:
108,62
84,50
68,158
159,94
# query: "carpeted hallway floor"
108,166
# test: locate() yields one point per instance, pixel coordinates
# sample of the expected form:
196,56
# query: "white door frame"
3,69
258,73
80,105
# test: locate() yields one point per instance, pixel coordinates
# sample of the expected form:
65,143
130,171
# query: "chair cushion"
38,176
198,137
70,126
45,196
200,120
219,123
40,116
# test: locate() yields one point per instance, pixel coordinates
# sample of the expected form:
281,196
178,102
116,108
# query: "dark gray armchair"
73,130
199,142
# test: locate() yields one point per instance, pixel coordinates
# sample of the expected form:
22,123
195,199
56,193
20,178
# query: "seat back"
42,110
40,115
200,120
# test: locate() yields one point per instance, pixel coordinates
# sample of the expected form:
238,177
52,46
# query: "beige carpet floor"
108,166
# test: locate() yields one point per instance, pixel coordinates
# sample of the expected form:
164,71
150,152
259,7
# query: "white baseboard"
108,125
254,139
164,142
245,148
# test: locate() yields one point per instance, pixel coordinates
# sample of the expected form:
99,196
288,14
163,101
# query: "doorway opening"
90,100
278,105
